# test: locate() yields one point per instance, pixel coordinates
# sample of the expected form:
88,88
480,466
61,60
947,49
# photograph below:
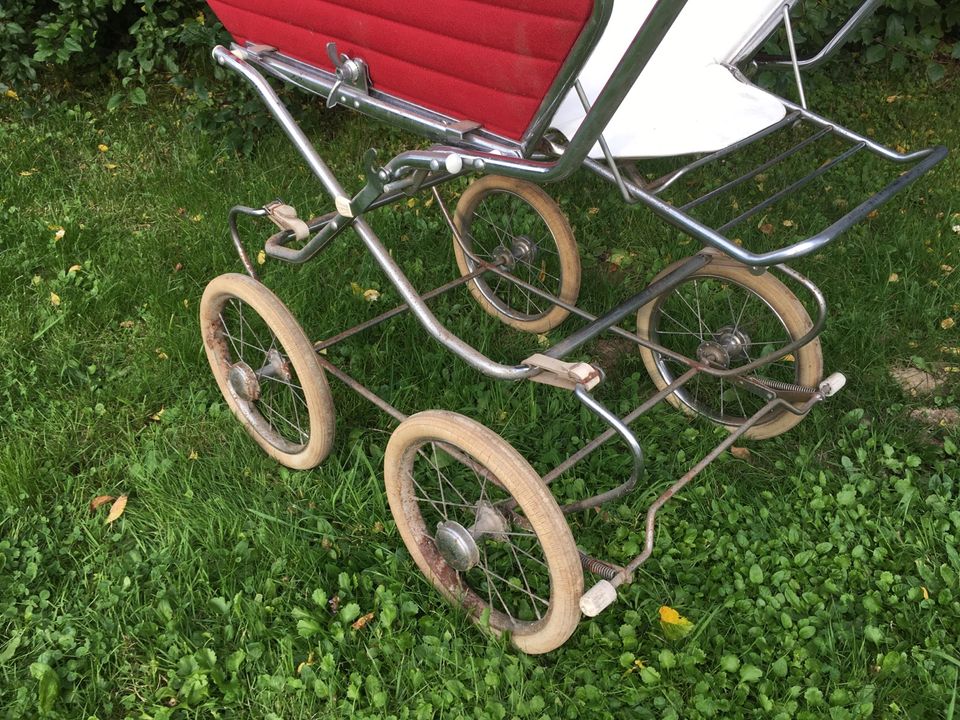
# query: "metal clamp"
563,374
285,217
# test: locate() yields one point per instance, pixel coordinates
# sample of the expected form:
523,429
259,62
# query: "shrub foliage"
139,39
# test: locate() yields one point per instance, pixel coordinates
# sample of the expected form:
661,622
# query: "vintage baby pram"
520,93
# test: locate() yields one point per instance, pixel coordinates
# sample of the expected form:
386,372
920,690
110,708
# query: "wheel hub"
728,344
522,249
713,354
459,545
243,382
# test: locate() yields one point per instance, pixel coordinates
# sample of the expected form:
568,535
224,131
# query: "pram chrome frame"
468,148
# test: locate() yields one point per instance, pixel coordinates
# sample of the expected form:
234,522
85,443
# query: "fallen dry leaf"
740,453
937,417
914,381
100,500
361,621
116,510
766,228
893,278
947,323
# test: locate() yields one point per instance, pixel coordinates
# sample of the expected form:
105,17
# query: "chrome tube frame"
826,52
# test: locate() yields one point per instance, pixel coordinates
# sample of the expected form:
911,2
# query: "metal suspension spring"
782,386
598,567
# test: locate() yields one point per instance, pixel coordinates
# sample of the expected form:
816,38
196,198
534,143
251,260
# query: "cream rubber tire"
772,293
565,281
275,417
514,477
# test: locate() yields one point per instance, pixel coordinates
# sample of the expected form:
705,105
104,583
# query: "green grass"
821,576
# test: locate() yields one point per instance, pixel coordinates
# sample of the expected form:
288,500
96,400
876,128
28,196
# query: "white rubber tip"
453,163
833,384
598,598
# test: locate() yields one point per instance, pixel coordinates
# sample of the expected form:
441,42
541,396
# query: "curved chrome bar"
418,307
829,49
598,409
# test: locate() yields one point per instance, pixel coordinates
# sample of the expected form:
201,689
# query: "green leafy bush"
84,40
133,39
901,32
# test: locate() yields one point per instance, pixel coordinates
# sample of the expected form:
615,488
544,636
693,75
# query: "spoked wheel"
728,316
267,370
447,480
515,222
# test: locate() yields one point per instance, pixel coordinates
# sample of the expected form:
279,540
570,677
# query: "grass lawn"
821,573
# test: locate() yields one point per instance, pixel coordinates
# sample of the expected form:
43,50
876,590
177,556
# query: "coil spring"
783,386
598,567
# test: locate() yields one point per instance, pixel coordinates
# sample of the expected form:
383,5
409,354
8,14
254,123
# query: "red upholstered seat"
491,61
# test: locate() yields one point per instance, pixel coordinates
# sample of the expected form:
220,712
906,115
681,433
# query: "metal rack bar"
726,187
793,187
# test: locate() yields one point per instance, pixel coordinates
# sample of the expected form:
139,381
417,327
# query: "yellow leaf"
355,287
74,269
161,354
361,621
12,94
674,625
110,166
411,202
788,223
261,257
193,455
100,500
926,595
103,148
37,280
54,299
25,173
789,358
893,278
593,211
157,415
371,295
947,323
543,340
308,661
58,235
201,19
197,218
116,510
947,268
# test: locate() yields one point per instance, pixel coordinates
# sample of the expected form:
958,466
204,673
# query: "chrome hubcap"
243,382
458,545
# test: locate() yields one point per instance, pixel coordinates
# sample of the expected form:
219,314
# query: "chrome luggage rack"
456,549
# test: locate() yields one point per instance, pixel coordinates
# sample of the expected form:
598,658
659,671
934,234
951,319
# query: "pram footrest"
715,232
